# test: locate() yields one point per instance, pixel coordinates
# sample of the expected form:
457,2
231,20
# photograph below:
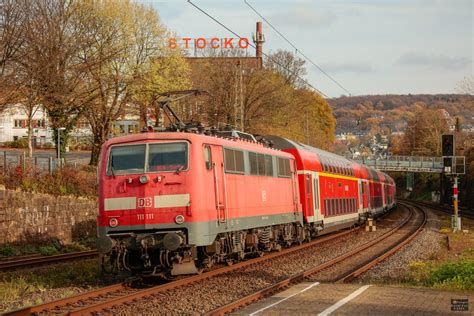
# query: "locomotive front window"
167,157
127,159
130,159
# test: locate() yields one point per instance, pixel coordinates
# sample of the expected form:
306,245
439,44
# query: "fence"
12,160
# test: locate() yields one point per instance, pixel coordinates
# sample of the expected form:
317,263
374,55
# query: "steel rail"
299,277
117,300
463,212
27,262
389,252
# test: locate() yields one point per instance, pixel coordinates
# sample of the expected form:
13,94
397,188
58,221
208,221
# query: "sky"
369,47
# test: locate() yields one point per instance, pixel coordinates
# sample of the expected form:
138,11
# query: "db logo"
145,202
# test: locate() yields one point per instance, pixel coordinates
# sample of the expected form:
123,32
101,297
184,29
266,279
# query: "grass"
450,269
47,248
17,288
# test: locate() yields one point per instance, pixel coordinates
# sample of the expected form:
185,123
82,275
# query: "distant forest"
389,113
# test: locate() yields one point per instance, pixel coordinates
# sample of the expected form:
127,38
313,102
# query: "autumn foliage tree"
423,133
133,64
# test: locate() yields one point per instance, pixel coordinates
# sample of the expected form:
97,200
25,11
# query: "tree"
289,66
133,64
54,37
13,15
423,133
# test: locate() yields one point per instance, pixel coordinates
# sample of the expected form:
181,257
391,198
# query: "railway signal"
448,144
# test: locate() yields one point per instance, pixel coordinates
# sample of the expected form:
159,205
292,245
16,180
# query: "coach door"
214,157
365,195
316,197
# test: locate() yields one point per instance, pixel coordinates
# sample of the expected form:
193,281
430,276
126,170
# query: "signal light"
448,145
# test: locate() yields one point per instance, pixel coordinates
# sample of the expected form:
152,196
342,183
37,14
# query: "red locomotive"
176,203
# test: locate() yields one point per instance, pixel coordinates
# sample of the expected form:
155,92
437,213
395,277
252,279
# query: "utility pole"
241,100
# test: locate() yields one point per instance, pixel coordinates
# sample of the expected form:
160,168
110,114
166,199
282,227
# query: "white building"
13,125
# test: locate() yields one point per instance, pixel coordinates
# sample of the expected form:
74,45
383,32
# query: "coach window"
253,164
208,157
333,206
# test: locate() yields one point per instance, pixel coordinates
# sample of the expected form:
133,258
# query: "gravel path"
422,248
220,290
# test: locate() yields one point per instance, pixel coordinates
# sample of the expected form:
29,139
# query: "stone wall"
26,217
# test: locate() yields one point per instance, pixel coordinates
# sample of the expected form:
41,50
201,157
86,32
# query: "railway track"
40,260
104,298
384,246
109,298
463,212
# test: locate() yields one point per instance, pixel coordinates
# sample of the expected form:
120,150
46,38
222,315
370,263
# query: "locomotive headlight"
143,179
113,222
179,219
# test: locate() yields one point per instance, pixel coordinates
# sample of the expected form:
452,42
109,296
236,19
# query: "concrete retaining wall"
26,217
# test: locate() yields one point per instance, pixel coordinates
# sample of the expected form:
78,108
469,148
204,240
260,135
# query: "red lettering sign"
186,40
202,41
228,42
172,43
214,40
243,42
214,43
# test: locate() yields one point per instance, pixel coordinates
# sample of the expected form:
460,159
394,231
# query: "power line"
266,55
296,48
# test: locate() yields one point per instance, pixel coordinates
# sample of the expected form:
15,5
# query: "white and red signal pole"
457,219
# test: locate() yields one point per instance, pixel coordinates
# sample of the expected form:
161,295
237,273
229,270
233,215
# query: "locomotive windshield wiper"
180,168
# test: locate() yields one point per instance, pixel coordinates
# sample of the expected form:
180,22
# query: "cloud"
304,16
433,61
348,67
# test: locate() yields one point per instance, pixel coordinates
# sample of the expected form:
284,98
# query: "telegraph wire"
253,46
296,48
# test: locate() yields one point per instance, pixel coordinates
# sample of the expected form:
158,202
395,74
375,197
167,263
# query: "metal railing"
405,163
10,160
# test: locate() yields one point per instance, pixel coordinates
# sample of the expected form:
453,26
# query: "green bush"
459,275
19,143
47,250
65,181
7,251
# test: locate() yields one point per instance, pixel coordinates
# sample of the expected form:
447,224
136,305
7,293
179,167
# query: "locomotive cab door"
214,156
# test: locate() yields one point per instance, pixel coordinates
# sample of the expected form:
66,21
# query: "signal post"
455,166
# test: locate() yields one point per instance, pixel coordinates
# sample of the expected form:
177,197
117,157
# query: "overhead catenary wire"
296,48
266,55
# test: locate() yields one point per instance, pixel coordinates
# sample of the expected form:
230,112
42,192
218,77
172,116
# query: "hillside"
389,113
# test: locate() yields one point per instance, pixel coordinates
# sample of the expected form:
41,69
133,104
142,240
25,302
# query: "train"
174,203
